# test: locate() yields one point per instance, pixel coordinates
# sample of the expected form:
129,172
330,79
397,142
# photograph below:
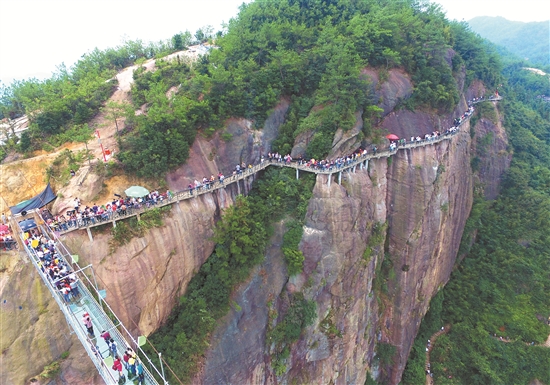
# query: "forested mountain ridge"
529,41
311,53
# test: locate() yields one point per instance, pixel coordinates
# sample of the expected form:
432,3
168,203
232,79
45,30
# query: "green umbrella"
136,191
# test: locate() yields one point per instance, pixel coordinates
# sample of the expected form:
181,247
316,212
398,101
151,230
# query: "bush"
301,313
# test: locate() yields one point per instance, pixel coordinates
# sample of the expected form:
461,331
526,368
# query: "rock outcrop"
144,277
377,248
421,198
424,197
491,155
34,331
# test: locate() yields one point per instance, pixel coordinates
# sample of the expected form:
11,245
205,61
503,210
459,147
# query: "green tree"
84,135
25,142
114,110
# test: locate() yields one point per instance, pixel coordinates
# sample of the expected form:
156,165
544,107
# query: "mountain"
530,41
308,278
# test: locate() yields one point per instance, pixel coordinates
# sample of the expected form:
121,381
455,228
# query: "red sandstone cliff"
423,196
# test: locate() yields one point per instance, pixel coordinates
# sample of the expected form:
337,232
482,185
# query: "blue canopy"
36,202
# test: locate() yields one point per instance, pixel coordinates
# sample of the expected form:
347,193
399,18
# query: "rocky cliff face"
431,193
424,197
491,155
34,331
377,249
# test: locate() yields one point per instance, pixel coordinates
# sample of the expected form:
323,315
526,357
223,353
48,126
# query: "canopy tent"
36,202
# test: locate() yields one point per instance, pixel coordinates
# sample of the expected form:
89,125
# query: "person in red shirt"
106,336
117,367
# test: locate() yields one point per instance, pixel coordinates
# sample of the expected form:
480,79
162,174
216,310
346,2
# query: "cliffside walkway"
361,161
90,300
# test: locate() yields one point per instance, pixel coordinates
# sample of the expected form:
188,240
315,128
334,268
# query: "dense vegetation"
529,41
310,53
502,287
59,107
241,237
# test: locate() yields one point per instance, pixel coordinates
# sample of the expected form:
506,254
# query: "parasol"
136,191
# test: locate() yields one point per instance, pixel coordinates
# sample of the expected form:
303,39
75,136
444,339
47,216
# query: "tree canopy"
313,53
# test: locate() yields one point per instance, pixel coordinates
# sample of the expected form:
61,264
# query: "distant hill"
527,40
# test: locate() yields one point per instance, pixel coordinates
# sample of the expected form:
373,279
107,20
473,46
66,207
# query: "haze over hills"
527,40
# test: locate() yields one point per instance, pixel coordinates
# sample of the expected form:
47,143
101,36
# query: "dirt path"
506,340
23,178
429,348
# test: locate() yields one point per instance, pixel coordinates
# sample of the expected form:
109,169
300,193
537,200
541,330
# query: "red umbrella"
392,137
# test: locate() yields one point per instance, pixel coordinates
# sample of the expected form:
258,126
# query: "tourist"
140,373
106,336
87,321
113,348
117,366
125,359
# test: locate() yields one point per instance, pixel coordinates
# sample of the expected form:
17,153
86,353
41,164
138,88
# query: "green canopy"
136,191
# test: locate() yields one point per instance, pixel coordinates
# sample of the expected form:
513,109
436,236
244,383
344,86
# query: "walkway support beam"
340,178
89,234
297,173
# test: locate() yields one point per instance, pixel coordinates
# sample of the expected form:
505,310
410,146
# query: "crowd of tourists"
52,265
82,216
340,162
129,359
66,282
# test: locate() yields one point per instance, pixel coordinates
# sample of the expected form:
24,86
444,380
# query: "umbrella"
27,224
136,191
3,228
392,137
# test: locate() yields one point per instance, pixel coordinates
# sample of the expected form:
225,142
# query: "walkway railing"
102,316
118,215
